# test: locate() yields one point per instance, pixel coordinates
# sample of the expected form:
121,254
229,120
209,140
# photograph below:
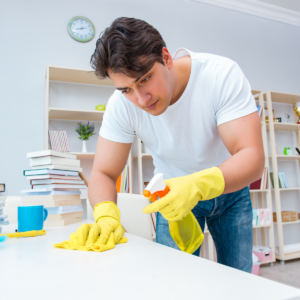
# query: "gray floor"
288,274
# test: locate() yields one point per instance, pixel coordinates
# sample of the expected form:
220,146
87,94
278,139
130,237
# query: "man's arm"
110,160
242,138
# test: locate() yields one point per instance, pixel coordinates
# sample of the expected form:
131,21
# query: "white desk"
30,268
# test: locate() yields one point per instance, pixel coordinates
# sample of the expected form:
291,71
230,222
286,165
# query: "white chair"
132,217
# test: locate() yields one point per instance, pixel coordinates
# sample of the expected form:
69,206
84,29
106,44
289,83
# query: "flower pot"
84,147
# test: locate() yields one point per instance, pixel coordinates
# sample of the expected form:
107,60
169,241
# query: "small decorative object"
279,120
287,117
101,107
274,119
85,131
81,29
59,140
287,151
297,112
297,150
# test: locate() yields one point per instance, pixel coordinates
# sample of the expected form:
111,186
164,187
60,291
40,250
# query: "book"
255,217
2,201
51,223
3,217
49,176
59,186
259,110
3,194
44,192
48,203
2,205
52,160
2,187
51,198
64,209
73,215
255,185
56,181
283,177
59,167
272,180
50,171
4,222
51,153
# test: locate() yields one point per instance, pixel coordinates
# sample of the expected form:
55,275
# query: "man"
196,114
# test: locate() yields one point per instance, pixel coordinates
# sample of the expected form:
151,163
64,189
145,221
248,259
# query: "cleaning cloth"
103,235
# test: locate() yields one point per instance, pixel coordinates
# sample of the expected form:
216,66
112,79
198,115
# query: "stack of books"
3,217
56,184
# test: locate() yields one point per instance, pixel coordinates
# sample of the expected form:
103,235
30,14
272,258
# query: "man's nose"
143,98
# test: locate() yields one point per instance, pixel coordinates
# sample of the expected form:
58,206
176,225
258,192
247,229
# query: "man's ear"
167,58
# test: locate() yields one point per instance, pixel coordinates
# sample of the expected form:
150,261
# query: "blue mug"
31,217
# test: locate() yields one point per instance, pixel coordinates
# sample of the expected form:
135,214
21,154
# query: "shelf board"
285,126
88,155
285,98
288,189
258,191
286,157
267,261
262,226
75,114
144,155
288,223
76,76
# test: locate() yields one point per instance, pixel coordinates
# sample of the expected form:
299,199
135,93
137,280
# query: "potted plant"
85,131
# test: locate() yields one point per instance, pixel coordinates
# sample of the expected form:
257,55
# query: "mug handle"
45,214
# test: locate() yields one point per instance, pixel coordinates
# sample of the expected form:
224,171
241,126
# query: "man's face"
151,93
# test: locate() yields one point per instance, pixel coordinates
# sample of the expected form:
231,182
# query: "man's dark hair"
129,46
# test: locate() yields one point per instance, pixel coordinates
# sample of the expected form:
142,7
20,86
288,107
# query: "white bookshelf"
273,99
263,234
71,96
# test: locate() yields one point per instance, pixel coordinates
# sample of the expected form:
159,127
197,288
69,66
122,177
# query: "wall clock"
81,29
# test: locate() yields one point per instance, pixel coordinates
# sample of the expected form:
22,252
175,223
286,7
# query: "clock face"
81,29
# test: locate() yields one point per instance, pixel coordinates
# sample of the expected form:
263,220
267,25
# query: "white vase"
84,147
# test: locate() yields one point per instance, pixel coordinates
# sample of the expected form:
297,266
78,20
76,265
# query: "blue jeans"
229,220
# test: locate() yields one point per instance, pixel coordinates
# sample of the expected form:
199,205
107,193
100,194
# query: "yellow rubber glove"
186,191
103,235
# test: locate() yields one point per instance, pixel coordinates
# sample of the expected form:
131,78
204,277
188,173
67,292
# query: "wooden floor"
288,274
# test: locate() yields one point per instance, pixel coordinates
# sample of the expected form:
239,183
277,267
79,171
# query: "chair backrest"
132,217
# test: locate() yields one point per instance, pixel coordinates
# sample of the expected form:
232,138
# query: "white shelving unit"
271,98
262,198
87,79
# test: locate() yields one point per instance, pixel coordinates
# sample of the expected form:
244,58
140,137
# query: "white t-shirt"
185,138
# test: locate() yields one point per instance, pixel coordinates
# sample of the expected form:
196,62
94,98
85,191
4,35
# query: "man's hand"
186,191
107,221
100,236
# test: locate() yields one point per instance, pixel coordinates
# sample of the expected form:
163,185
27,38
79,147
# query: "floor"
288,274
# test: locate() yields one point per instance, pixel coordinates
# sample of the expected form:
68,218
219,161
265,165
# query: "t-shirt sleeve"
117,124
233,98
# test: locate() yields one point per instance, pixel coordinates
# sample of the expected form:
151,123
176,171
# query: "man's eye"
125,91
145,79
